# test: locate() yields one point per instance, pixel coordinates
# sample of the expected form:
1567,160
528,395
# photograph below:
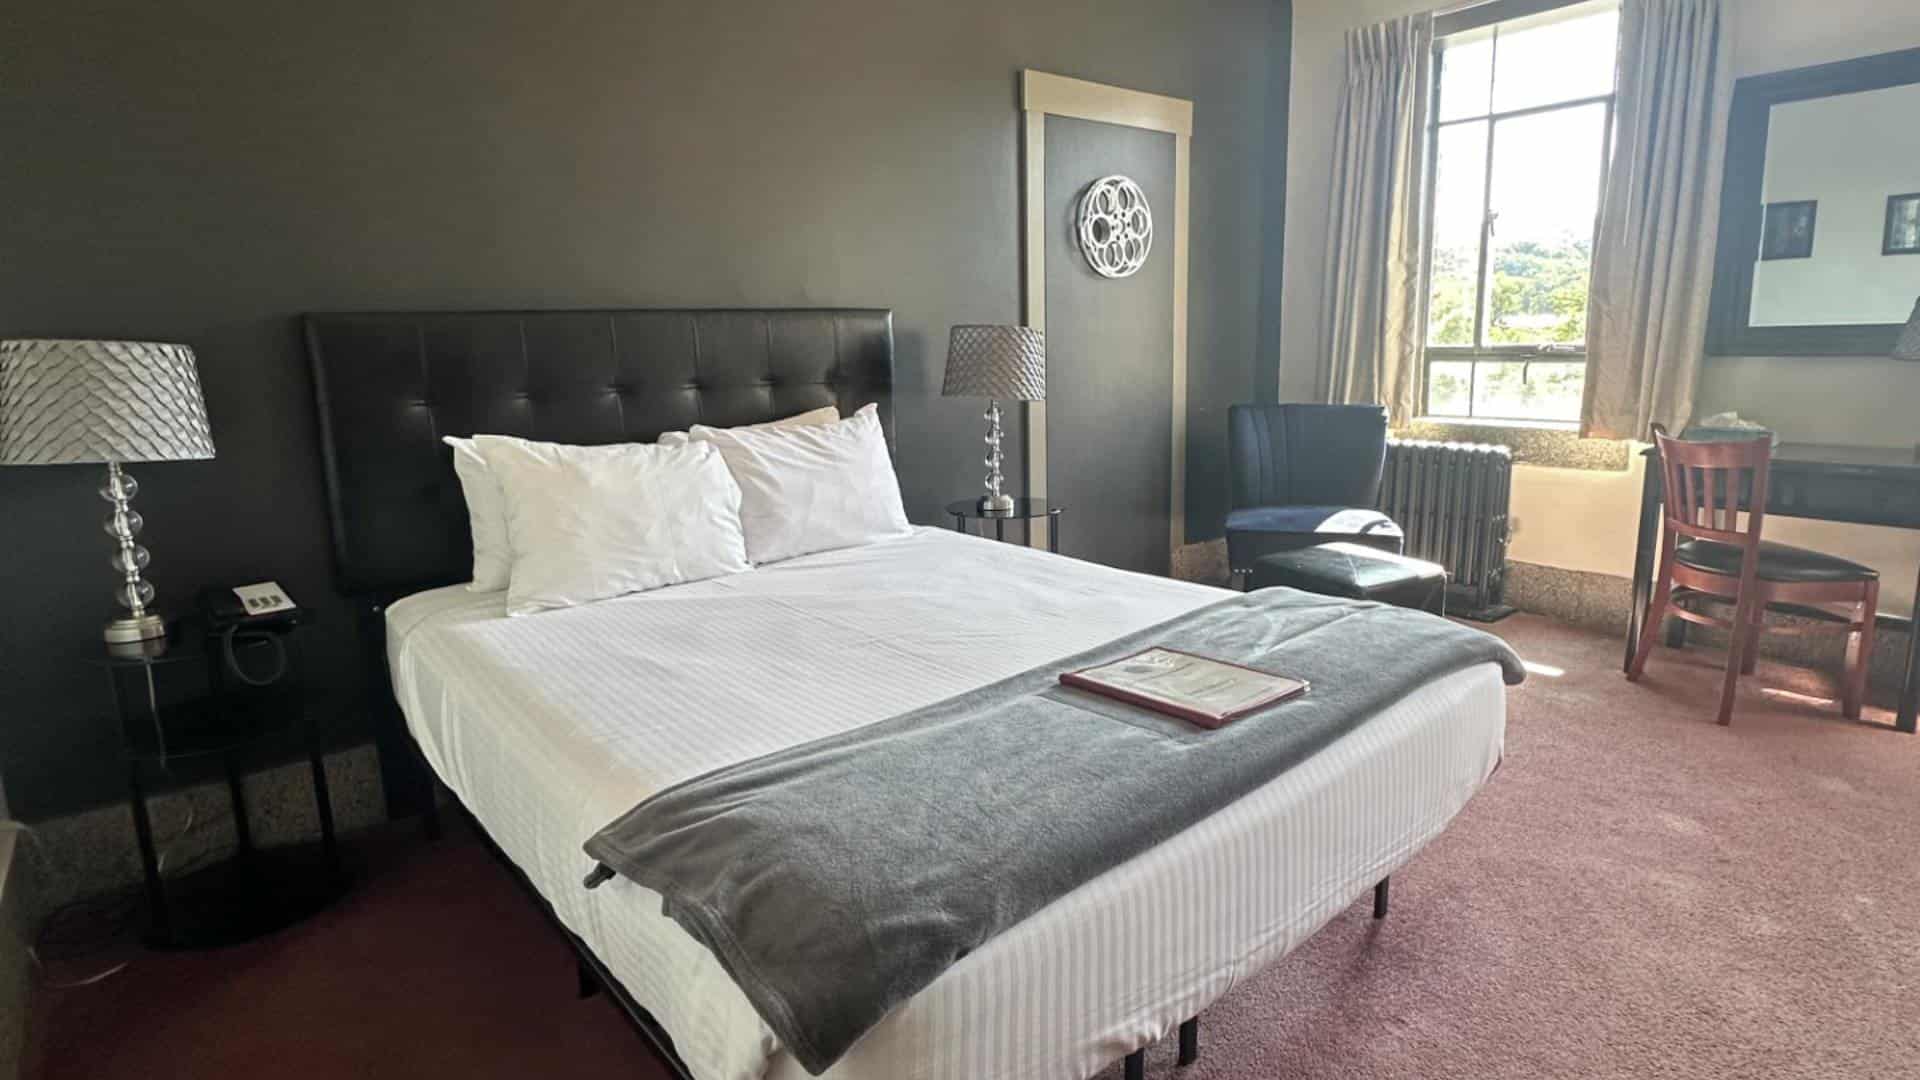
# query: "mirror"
1840,211
1819,249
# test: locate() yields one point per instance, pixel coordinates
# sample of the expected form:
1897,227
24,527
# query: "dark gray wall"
204,172
1109,355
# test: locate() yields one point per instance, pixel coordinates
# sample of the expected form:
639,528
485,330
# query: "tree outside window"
1519,137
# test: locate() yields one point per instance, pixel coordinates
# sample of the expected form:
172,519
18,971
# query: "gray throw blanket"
836,879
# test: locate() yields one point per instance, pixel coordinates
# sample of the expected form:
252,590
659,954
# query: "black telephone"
261,606
250,614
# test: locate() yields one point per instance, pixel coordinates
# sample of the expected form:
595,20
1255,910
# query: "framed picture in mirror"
1902,233
1786,229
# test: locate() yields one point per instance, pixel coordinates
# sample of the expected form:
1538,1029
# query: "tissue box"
1728,434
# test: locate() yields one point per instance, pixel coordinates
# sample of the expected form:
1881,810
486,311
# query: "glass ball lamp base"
994,501
139,632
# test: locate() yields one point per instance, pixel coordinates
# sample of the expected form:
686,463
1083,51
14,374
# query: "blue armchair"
1305,475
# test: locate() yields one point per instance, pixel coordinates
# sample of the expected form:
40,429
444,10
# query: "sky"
1546,168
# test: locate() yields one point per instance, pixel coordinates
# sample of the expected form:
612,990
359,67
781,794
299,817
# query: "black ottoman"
1357,571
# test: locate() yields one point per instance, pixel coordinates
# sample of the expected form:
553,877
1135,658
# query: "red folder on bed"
1202,691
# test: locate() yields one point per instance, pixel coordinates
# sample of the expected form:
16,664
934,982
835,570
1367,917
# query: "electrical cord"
116,909
33,950
159,728
51,983
232,633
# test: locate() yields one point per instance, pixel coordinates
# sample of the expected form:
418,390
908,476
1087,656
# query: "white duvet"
549,726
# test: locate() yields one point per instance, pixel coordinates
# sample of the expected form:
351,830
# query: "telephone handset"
250,613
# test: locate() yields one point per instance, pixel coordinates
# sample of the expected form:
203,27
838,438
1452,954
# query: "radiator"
1451,499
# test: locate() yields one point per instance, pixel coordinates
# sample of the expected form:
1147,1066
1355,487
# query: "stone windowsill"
1556,446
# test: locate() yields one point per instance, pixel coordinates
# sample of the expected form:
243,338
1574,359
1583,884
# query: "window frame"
1494,16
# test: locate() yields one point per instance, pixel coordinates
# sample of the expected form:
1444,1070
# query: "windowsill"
1547,443
1480,422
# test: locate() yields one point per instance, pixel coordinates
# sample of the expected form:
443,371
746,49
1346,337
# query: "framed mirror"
1819,247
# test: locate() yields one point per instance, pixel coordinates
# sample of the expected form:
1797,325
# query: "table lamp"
94,402
997,363
1908,347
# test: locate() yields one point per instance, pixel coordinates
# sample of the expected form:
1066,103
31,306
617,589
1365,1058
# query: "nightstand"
1027,510
187,716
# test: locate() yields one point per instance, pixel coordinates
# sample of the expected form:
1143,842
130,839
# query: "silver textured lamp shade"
64,402
1908,347
996,362
74,402
1008,363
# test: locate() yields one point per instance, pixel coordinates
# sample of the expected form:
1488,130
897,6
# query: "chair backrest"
1306,455
1708,484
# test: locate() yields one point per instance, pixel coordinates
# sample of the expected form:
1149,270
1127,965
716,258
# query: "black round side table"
186,715
1027,510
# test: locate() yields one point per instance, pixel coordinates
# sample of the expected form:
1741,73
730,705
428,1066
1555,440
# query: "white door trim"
1042,94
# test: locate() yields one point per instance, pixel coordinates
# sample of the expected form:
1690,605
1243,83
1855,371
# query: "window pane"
1448,382
1466,75
1459,203
1545,194
1529,390
1555,58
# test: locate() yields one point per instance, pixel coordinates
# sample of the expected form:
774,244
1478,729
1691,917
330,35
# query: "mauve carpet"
1637,892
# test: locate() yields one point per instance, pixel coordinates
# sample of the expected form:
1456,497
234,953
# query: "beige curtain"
1659,206
1371,329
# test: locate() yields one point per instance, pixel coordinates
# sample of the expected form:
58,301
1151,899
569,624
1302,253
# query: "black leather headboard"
390,384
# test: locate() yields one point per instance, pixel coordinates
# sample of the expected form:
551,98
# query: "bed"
545,728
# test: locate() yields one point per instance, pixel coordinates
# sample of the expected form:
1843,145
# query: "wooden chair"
1703,549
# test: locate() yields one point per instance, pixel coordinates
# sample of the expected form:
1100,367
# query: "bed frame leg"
1380,898
1190,1041
588,984
1137,1065
430,820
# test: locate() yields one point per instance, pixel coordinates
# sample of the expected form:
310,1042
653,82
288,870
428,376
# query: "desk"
1865,485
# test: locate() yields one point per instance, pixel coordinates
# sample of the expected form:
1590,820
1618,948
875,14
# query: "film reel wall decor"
1115,226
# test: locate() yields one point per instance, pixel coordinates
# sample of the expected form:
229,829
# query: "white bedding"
549,726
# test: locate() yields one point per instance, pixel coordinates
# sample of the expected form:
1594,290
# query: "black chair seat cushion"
1256,531
1356,571
1778,562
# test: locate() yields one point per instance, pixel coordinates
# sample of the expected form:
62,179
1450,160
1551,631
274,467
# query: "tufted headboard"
390,384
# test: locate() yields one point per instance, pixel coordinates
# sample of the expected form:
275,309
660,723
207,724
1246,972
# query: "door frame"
1041,95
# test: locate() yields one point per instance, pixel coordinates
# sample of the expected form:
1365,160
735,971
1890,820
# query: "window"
1523,111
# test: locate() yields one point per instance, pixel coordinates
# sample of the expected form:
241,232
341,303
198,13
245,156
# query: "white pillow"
813,488
589,522
487,508
486,514
825,414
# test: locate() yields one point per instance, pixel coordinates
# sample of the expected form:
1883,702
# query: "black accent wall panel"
206,172
1109,354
